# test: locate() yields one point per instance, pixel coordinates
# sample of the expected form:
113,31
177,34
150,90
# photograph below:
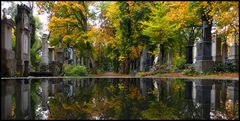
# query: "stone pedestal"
22,37
189,54
8,63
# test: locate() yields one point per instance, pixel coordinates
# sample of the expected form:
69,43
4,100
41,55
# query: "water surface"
119,98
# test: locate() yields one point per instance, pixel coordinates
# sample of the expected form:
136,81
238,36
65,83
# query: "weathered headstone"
216,49
143,61
60,51
8,63
44,61
234,55
22,37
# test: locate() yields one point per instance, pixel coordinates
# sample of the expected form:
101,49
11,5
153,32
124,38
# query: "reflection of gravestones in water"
146,86
203,97
23,101
44,94
215,95
7,91
233,91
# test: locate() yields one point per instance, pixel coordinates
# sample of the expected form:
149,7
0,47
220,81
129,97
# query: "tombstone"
216,49
60,51
203,97
7,54
45,59
169,62
23,99
224,51
51,54
7,91
234,55
23,38
204,60
189,54
143,61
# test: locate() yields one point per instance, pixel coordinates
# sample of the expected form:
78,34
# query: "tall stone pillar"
44,61
143,61
234,55
23,38
204,60
8,63
7,91
23,99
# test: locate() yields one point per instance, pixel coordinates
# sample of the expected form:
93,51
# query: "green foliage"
75,70
227,67
189,70
181,63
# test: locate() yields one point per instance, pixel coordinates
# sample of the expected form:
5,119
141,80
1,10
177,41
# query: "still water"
116,98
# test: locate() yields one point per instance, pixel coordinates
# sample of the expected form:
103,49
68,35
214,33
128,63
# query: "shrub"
189,70
181,63
75,70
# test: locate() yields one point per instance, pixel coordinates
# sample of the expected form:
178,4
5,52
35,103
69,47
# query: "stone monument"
22,37
7,54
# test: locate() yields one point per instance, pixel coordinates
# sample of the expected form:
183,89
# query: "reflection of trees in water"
128,99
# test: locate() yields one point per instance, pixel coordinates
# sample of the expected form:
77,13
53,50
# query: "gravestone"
216,49
22,37
44,61
169,62
224,51
60,57
204,60
51,54
234,55
8,62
